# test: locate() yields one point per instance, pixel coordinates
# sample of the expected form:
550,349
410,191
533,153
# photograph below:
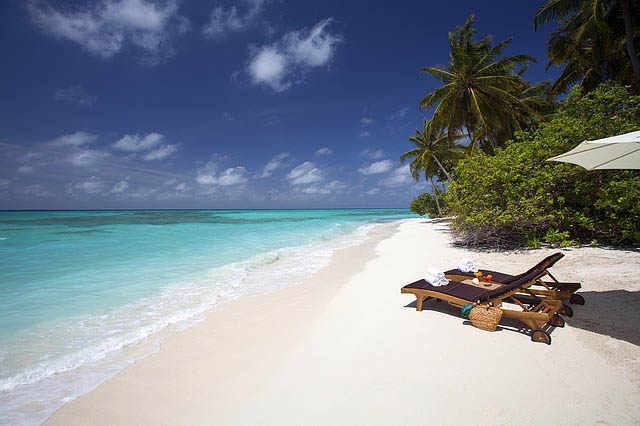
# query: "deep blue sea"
78,289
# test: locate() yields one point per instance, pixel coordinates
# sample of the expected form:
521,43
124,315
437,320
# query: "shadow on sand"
506,324
614,313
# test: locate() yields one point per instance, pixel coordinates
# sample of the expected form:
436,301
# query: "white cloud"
374,155
87,157
74,94
223,21
398,114
232,176
273,164
76,139
4,183
372,191
120,187
400,176
135,143
377,167
181,187
364,134
104,27
161,153
25,169
90,186
324,151
207,175
280,64
269,66
305,173
366,121
333,187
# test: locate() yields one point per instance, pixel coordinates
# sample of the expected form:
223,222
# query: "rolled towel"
435,272
434,279
467,265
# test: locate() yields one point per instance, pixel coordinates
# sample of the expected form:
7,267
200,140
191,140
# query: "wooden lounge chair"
549,289
537,313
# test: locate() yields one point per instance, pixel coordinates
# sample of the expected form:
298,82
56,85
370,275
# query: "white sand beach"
347,348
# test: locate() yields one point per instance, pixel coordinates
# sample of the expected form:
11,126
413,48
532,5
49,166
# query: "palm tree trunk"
628,25
435,195
441,168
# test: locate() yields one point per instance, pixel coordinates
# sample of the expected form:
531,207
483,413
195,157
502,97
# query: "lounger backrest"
545,263
526,280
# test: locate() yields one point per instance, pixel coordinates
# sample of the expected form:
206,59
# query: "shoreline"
154,344
346,347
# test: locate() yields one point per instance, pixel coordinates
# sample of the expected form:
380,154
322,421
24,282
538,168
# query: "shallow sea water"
79,287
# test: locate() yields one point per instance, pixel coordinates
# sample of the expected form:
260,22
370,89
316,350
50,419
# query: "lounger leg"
419,304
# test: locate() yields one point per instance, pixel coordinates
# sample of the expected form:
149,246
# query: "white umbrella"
616,152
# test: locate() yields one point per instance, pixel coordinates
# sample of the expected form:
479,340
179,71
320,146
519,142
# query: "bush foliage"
425,204
517,198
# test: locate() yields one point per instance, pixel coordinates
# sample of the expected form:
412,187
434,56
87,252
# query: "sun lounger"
537,313
550,289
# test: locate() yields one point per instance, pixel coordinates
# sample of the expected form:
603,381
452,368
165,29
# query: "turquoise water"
78,287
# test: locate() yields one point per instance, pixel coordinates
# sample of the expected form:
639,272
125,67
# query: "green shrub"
517,197
425,203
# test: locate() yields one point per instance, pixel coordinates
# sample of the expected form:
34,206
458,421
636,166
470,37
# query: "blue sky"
222,104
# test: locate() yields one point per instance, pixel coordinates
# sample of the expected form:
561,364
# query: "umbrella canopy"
616,152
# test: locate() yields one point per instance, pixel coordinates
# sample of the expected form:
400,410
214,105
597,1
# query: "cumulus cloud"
161,153
120,187
223,21
75,95
25,169
374,155
280,64
76,139
90,186
376,168
87,157
398,177
324,151
208,175
333,187
305,173
365,121
104,27
398,114
149,143
273,164
135,143
364,134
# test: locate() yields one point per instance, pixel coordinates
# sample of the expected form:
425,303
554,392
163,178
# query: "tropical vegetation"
595,42
432,149
517,198
483,95
483,151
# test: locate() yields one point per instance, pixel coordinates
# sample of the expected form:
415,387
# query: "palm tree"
480,91
432,149
594,42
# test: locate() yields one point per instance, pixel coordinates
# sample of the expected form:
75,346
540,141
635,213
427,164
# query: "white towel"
467,265
435,272
435,278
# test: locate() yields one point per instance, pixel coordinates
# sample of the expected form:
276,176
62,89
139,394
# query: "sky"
116,104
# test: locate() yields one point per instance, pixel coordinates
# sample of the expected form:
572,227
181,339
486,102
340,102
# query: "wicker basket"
485,317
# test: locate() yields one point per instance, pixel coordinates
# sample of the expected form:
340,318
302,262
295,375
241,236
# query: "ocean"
85,293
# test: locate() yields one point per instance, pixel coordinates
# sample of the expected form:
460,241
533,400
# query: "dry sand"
346,348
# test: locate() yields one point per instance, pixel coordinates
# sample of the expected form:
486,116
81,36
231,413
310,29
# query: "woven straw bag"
485,317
